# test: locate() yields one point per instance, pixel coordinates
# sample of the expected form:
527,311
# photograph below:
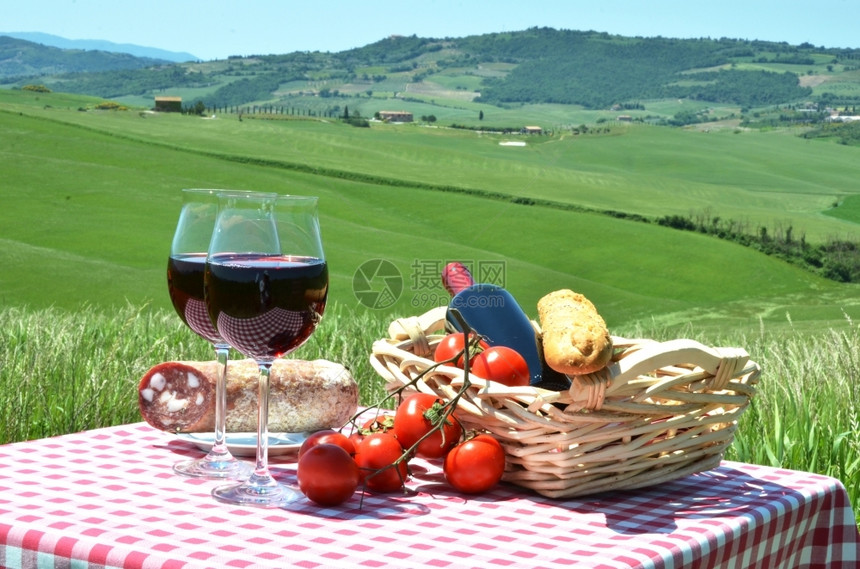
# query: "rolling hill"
26,60
102,45
539,66
91,197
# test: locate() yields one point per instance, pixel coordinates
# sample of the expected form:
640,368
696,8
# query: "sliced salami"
303,396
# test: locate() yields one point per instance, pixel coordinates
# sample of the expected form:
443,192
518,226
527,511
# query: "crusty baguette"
574,336
303,396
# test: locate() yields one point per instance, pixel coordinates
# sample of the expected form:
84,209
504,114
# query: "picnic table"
109,498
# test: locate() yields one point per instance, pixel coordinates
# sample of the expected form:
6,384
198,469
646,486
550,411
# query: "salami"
303,396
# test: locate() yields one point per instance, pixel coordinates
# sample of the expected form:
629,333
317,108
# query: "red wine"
265,306
185,284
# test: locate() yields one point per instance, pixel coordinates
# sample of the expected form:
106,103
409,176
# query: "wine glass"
185,267
266,284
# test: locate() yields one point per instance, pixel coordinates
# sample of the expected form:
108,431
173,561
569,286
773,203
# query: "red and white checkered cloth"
109,498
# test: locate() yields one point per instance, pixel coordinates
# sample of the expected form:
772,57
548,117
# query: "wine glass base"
268,495
228,469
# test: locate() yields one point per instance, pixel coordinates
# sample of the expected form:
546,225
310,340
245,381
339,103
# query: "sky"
216,29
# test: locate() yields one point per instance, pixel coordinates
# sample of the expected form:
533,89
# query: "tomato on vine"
327,436
502,364
375,456
327,474
475,465
453,344
378,424
418,415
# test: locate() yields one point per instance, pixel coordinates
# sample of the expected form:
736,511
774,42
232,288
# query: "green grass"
758,178
848,209
841,83
79,370
810,407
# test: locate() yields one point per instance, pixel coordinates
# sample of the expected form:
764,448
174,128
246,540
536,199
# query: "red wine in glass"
265,284
185,270
266,306
185,284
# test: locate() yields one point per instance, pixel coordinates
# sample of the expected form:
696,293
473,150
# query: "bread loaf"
303,396
574,336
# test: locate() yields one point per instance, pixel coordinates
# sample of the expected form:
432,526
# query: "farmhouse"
532,130
168,104
395,116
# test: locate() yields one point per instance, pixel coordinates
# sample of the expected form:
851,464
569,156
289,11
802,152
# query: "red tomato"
502,364
452,345
416,416
327,436
377,452
377,424
475,465
327,474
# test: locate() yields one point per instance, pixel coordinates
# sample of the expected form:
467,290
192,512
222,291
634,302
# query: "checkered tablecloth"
109,498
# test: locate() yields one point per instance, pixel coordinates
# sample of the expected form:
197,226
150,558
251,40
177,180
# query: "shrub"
111,106
36,88
677,222
358,122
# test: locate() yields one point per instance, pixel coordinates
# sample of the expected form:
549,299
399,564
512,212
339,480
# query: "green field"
91,198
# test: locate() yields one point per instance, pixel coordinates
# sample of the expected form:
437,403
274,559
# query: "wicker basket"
657,412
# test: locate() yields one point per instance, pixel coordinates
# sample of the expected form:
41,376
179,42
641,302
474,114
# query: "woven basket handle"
678,352
416,328
722,364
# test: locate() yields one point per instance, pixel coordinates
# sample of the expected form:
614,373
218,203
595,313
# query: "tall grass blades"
806,415
62,372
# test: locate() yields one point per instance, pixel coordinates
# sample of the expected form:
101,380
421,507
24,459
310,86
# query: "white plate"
245,444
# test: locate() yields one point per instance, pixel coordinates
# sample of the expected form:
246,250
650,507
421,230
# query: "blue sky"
215,29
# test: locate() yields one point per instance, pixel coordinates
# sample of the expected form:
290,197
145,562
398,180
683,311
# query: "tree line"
847,133
110,84
835,259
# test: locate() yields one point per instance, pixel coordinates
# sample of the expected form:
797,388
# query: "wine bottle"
492,312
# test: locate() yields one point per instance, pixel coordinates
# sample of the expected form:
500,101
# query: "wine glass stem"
222,352
261,469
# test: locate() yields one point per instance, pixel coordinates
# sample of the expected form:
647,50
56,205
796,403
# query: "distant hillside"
102,45
23,59
589,70
598,70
